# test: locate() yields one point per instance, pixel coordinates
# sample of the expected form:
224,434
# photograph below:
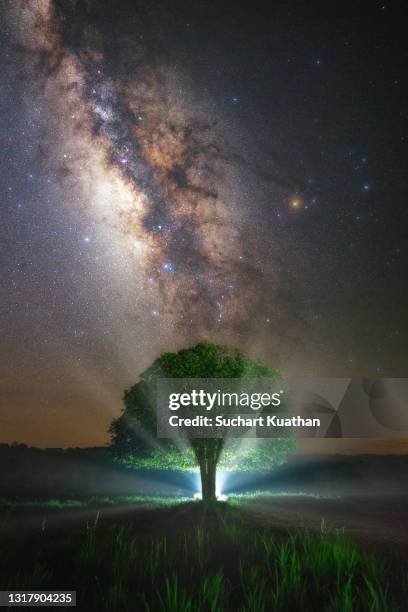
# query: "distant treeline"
75,472
335,475
84,472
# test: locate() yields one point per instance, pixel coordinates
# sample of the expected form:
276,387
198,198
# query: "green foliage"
255,455
87,553
133,434
219,564
174,598
206,360
95,501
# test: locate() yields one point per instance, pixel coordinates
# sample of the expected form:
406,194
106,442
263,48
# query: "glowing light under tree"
133,434
220,479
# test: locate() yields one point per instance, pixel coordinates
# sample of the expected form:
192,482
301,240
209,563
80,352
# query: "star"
221,187
168,266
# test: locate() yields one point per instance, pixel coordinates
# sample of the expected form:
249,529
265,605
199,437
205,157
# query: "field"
251,553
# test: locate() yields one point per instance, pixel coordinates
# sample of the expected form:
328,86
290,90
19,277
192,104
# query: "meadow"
173,555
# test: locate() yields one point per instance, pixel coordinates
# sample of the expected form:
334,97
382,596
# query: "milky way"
158,177
182,171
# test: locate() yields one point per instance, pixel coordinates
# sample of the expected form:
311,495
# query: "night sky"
179,171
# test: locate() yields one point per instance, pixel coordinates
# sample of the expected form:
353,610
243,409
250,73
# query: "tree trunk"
208,452
208,470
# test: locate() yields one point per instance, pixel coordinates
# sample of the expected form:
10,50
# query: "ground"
252,553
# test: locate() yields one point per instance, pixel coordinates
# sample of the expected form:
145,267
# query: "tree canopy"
133,433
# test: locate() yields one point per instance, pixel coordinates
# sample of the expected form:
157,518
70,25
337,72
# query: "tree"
133,433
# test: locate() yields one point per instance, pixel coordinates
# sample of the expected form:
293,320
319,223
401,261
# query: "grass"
206,560
267,495
60,504
148,500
